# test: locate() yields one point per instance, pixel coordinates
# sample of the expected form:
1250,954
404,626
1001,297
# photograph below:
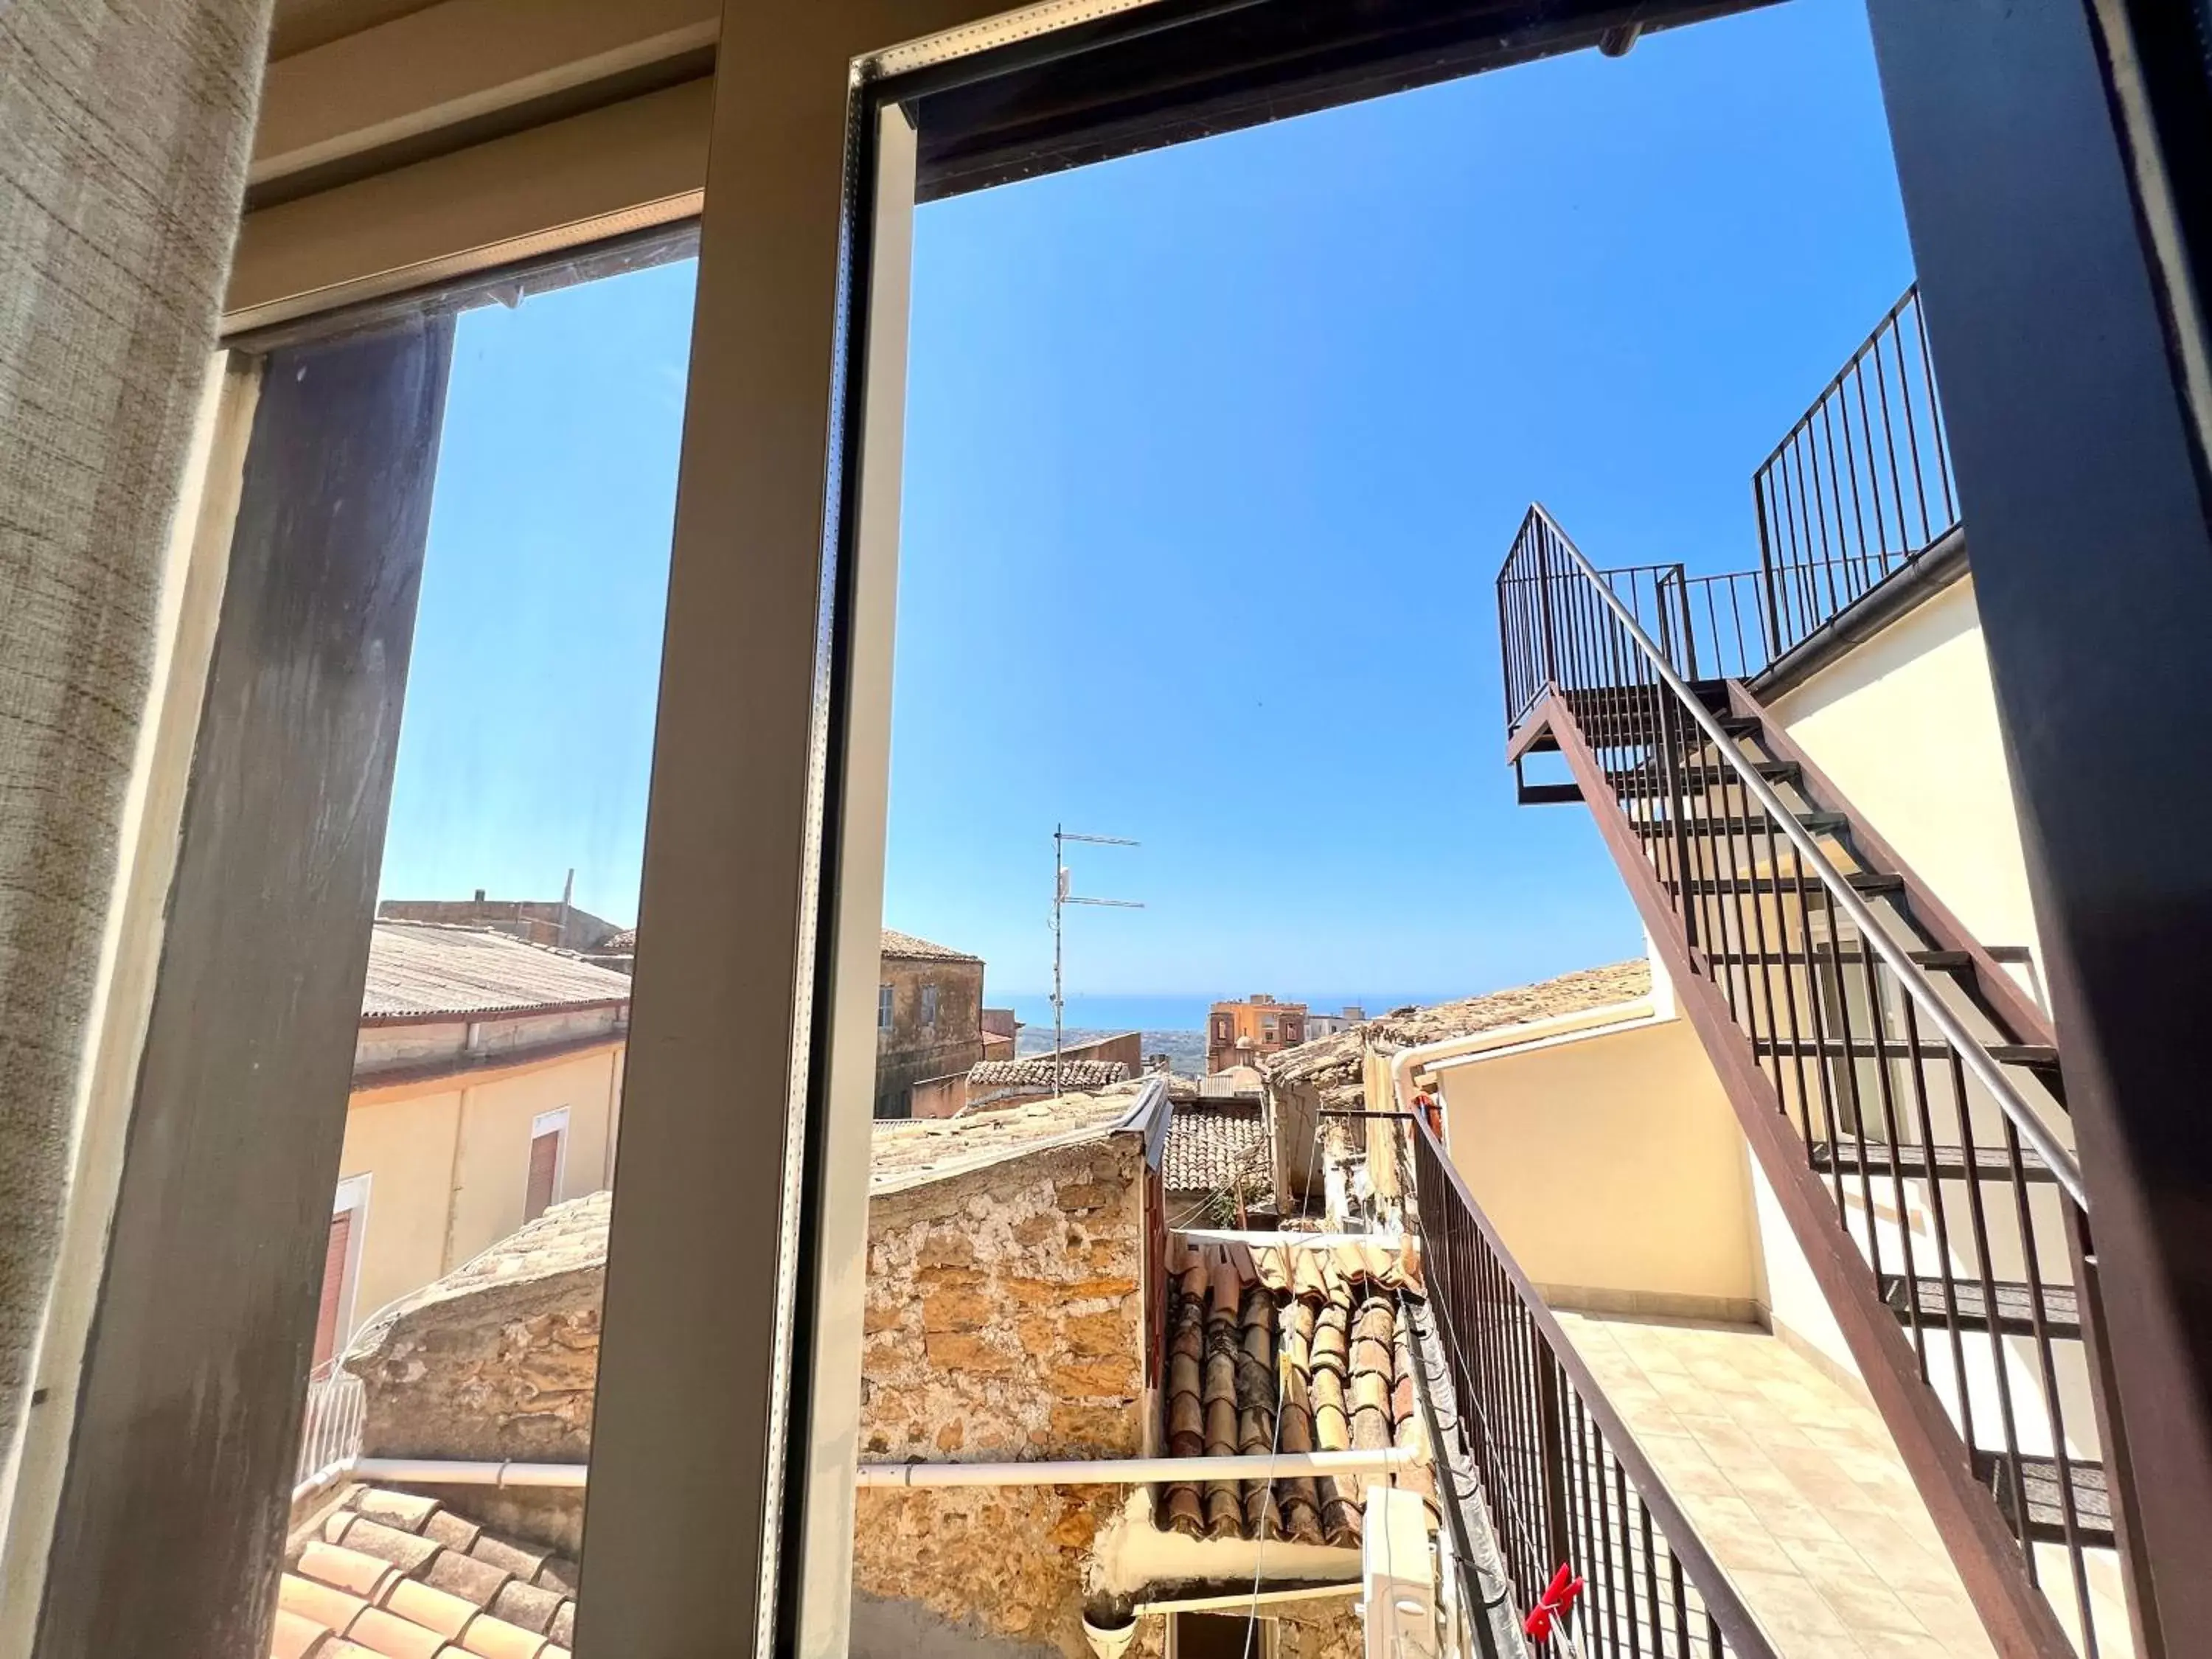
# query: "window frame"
763,870
553,1122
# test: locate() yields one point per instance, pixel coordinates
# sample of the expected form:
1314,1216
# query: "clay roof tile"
297,1636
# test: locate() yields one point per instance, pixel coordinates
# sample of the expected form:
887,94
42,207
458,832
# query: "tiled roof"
420,968
1335,1061
397,1577
908,1151
1036,1071
1316,1325
905,944
1210,1147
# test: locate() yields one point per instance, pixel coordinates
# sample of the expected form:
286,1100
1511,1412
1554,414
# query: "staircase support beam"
2018,1618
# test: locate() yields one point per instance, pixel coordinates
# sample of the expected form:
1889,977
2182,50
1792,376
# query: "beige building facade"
487,1087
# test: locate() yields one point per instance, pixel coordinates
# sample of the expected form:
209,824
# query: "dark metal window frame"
721,1502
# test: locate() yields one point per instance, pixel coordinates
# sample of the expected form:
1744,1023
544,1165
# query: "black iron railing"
1942,1140
1860,487
1859,490
1566,1482
1711,627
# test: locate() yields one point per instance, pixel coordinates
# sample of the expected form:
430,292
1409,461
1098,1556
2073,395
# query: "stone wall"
1004,1320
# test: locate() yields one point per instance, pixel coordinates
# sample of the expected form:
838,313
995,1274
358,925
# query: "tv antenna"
1061,897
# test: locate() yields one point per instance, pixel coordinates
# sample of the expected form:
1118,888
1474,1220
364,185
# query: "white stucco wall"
1906,727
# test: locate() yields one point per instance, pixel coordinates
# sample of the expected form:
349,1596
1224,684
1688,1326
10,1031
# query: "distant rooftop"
906,945
419,970
1036,1071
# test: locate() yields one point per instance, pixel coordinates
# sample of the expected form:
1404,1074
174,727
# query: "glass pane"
458,1319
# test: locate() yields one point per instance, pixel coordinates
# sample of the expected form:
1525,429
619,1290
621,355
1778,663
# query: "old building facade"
929,1018
1244,1033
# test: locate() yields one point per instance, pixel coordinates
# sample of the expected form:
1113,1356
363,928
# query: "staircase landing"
1793,1484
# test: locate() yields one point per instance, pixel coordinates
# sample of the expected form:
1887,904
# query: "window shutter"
334,1266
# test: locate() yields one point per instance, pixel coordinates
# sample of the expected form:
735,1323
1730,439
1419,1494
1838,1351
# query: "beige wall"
1906,727
449,1160
1613,1165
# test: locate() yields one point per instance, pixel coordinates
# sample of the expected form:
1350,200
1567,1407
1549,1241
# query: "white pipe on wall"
441,1471
1136,1471
1096,1472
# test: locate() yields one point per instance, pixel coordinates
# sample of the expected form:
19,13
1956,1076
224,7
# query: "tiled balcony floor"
1793,1484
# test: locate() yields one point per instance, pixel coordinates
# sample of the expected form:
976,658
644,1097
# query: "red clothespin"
1558,1596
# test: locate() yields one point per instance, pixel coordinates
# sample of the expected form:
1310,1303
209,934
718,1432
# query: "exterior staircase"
1903,1096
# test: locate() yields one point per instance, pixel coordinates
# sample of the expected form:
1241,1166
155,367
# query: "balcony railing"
1859,491
1860,487
1565,1482
330,1435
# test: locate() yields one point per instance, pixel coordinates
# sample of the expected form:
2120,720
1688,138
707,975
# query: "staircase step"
1820,823
2046,1514
1954,962
2040,1057
1874,883
1879,1158
2015,1305
1605,726
1647,781
1550,794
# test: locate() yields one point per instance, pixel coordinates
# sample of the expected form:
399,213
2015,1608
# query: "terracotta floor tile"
1792,1484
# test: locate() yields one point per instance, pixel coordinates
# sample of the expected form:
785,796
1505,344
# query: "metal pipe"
1972,1054
442,1471
1096,1472
1135,1470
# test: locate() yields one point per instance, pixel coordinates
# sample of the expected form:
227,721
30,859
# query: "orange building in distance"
1245,1033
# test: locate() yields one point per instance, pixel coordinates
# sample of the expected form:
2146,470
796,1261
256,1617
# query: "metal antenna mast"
1061,899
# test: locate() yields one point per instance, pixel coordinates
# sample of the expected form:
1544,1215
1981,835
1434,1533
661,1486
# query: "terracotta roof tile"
495,1638
404,1509
1036,1072
365,1575
559,1573
512,1557
455,1532
394,1544
527,1605
1211,1147
432,1608
372,1588
1311,1328
333,1609
297,1636
395,1637
465,1575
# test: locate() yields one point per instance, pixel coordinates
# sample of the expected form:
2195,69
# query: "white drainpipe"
1501,1039
1135,1470
1098,1472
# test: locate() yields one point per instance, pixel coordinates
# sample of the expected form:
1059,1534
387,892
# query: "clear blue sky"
1213,454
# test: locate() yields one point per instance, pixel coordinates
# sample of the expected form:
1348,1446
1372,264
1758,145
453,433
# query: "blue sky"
1213,454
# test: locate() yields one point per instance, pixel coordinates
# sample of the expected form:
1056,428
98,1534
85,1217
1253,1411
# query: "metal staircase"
1903,1096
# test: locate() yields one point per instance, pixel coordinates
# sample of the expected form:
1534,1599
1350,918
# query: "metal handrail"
1436,1178
1975,1058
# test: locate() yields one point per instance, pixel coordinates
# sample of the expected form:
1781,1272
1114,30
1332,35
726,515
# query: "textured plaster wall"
1004,1321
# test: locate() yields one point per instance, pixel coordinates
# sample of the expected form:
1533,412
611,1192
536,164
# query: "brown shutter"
544,1164
334,1266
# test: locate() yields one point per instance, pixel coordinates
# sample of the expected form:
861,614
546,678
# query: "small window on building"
341,1269
548,1146
883,1006
929,1005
